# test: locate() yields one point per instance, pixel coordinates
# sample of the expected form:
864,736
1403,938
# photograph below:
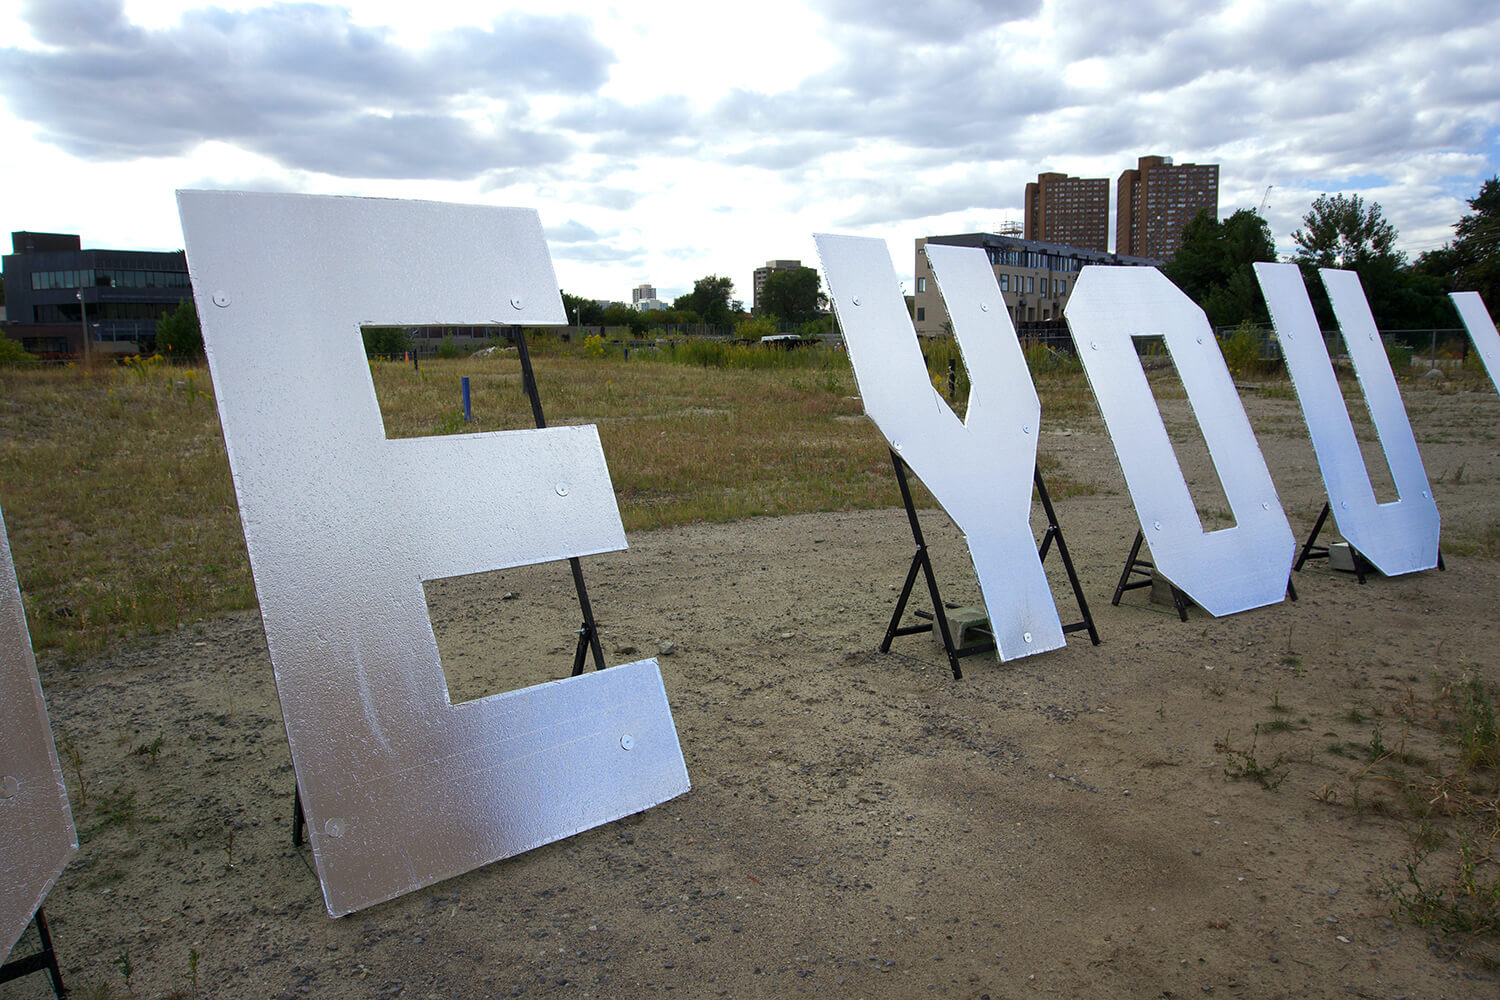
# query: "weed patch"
1246,764
1441,780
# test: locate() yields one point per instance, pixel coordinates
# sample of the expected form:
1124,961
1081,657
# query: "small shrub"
178,335
11,352
756,327
385,341
1399,355
1242,350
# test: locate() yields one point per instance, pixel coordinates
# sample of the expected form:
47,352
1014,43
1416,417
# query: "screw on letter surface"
515,302
562,489
627,742
221,299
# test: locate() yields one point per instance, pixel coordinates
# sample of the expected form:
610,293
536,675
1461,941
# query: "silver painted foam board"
1476,320
36,826
401,787
979,468
1397,537
1224,571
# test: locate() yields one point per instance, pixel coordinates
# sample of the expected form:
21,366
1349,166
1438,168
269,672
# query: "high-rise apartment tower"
1156,200
1071,211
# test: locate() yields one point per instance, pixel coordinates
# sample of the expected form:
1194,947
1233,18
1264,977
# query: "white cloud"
691,139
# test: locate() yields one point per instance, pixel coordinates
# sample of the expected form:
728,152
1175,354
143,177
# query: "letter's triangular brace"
46,959
1134,564
1311,550
588,631
921,561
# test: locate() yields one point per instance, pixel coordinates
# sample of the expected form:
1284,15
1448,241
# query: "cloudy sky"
663,141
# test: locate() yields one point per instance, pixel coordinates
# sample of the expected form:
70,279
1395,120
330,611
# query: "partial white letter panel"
36,826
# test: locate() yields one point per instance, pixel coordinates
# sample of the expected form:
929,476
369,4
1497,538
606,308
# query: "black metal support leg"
895,628
1134,564
299,818
44,960
1054,533
1130,565
588,631
922,562
1311,550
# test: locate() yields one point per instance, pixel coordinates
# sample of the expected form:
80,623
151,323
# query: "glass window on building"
921,285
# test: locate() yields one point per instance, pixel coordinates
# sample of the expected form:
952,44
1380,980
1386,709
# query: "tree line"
1213,266
792,297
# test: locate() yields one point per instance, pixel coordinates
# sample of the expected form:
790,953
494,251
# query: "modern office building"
762,273
55,291
1155,202
1070,211
1035,278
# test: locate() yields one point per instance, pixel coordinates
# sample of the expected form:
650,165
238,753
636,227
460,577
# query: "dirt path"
860,824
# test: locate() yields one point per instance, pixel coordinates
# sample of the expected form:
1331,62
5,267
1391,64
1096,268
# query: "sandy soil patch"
860,824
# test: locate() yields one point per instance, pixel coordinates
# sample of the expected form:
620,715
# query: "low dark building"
55,291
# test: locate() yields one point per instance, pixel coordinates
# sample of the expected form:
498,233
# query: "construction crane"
1262,210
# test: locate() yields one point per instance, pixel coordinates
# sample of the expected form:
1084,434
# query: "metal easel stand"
588,631
38,961
920,560
1135,565
1311,550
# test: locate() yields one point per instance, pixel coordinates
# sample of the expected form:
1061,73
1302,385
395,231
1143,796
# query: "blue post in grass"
468,414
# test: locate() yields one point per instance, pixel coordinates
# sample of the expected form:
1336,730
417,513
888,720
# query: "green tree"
385,341
1342,231
1213,266
1479,245
178,335
1471,263
619,314
582,311
792,296
709,300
